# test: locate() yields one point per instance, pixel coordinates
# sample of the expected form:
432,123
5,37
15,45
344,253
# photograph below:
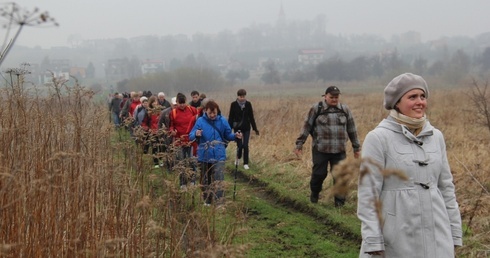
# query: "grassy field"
280,117
72,186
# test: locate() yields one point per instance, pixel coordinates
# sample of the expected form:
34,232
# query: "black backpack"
319,112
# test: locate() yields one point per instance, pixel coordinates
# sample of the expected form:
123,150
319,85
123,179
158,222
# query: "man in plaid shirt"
330,123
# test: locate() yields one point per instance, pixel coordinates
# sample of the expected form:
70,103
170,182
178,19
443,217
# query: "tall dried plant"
70,188
16,16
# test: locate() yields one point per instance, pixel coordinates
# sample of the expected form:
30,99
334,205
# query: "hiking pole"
236,168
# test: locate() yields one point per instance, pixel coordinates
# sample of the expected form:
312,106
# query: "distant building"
152,66
310,56
78,72
58,68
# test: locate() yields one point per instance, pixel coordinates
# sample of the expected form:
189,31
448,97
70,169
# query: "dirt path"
280,226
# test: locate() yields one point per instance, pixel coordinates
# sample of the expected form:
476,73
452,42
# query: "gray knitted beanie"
401,85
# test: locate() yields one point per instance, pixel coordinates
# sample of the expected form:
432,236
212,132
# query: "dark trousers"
155,146
320,171
212,177
243,147
184,154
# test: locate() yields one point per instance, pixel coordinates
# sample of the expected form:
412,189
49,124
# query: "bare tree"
480,98
16,16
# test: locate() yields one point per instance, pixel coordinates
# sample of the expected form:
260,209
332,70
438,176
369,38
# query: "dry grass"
70,188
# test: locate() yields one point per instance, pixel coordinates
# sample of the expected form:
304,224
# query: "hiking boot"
157,166
246,167
237,162
339,202
314,198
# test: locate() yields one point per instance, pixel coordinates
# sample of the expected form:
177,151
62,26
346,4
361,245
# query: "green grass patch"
277,231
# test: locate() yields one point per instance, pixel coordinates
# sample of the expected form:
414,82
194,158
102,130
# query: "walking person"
182,120
196,99
330,124
115,109
241,118
126,103
166,137
162,101
212,132
419,217
154,138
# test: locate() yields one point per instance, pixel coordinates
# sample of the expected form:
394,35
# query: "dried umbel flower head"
19,16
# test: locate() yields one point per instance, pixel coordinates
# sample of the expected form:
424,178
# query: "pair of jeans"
115,119
242,146
320,171
212,176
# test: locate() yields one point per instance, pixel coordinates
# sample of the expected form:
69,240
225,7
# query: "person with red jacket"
135,102
182,119
150,125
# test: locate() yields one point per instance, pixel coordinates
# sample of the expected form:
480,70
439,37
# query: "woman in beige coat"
418,215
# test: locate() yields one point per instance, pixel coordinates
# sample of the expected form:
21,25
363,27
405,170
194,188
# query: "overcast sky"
102,19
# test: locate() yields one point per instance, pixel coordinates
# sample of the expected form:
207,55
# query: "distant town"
269,53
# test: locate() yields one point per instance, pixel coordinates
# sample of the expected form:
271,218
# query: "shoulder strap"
189,127
192,110
174,113
318,111
343,110
221,135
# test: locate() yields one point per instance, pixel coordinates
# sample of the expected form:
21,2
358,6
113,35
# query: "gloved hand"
257,132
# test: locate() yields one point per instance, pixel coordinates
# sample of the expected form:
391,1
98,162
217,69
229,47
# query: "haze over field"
96,19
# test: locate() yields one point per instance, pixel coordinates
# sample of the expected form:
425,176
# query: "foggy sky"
103,19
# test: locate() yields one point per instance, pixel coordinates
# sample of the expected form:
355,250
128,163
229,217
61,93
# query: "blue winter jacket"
211,145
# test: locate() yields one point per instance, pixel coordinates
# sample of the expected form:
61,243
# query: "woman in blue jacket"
212,132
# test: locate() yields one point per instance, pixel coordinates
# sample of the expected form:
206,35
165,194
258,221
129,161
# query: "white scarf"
414,124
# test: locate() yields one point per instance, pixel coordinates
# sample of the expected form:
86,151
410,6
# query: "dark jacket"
241,119
196,104
165,104
115,105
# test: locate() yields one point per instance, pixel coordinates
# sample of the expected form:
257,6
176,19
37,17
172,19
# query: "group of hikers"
182,131
419,215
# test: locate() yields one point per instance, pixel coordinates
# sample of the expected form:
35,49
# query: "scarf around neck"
241,103
415,125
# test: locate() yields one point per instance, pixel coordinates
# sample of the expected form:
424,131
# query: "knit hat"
402,84
143,99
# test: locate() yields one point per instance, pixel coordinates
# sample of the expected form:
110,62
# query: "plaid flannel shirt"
330,130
